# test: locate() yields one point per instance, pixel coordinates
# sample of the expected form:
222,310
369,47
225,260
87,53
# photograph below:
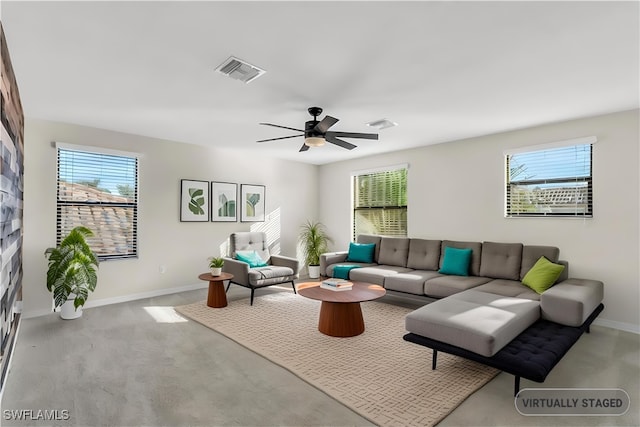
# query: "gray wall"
181,248
456,191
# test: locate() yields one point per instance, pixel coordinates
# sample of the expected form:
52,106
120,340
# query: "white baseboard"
125,298
627,327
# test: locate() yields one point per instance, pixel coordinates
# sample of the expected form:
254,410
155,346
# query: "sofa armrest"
239,269
329,258
285,261
571,301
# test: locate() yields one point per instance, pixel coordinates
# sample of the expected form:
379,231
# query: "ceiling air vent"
239,70
382,124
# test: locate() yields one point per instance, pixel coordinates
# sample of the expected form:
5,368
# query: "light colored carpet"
377,374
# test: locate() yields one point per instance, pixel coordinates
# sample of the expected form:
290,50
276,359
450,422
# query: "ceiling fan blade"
304,147
325,124
344,144
283,127
353,135
282,137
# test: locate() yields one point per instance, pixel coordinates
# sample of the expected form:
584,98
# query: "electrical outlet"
162,269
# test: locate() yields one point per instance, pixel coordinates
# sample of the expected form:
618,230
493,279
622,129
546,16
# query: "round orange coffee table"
340,312
217,297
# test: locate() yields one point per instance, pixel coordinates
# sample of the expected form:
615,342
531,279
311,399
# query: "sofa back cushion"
501,260
424,254
476,248
394,251
249,241
531,254
371,238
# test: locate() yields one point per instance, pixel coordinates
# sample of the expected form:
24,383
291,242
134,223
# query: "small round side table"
217,297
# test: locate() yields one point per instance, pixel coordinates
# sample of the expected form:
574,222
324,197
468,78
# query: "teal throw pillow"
542,275
361,252
456,261
251,257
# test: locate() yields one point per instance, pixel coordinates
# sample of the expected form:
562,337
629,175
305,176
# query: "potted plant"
72,272
215,264
314,242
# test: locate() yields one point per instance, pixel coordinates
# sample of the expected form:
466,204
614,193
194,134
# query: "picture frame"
194,200
224,201
252,203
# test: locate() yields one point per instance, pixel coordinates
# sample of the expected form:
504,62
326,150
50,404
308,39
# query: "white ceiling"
442,70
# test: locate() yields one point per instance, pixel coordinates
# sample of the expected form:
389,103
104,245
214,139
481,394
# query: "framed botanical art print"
194,201
252,200
224,201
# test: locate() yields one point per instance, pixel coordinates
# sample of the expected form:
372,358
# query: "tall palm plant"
72,268
314,242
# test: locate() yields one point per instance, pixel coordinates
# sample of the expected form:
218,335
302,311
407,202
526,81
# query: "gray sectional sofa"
480,312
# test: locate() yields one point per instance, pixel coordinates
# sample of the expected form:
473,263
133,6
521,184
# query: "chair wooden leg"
252,291
293,285
434,360
228,286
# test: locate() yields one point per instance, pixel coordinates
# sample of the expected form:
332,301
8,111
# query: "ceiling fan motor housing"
310,131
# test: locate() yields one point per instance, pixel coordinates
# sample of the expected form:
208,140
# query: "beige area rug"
376,374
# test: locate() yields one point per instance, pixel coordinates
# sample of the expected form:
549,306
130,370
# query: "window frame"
577,179
354,209
134,205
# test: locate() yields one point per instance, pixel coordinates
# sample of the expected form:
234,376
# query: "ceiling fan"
316,133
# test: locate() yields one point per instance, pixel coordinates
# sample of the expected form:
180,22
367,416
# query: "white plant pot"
68,311
216,271
314,271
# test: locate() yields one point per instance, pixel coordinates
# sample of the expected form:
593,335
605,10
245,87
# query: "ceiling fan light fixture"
314,141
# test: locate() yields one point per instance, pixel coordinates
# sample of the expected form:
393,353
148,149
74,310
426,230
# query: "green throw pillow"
251,257
361,252
456,261
542,275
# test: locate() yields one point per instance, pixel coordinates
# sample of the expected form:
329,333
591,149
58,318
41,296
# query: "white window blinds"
99,191
552,181
380,202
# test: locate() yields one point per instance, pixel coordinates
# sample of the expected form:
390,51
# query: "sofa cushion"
508,288
456,261
443,286
501,260
411,282
531,255
361,252
476,247
476,321
265,276
371,238
424,254
376,274
572,301
394,251
542,275
250,241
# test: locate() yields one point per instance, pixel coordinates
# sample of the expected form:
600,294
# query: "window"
550,180
380,202
99,190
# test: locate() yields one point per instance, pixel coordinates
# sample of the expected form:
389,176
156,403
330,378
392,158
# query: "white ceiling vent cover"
382,124
239,70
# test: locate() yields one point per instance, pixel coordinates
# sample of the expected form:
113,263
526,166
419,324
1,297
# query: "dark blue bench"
531,355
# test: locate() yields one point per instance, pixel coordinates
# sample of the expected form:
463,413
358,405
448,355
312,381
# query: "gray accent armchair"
280,269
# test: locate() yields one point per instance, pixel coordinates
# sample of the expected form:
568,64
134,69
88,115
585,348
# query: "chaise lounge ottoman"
476,321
